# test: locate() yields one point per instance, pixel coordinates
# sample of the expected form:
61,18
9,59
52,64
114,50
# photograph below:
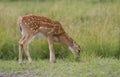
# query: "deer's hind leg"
26,41
21,49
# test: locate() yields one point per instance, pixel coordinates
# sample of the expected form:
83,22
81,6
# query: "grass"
98,67
95,25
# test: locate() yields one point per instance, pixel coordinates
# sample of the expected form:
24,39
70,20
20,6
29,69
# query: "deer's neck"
65,39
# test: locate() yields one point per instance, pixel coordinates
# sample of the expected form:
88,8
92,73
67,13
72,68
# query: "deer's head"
75,48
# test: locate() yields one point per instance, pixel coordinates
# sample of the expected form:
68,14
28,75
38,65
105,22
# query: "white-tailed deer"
32,25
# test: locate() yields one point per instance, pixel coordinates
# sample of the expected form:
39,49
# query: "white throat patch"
71,49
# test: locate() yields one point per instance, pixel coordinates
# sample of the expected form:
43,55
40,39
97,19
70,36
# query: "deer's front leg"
51,48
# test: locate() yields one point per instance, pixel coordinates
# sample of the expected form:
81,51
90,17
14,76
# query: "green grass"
94,67
94,24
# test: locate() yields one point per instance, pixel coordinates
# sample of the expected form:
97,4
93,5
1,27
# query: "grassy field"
95,25
63,68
